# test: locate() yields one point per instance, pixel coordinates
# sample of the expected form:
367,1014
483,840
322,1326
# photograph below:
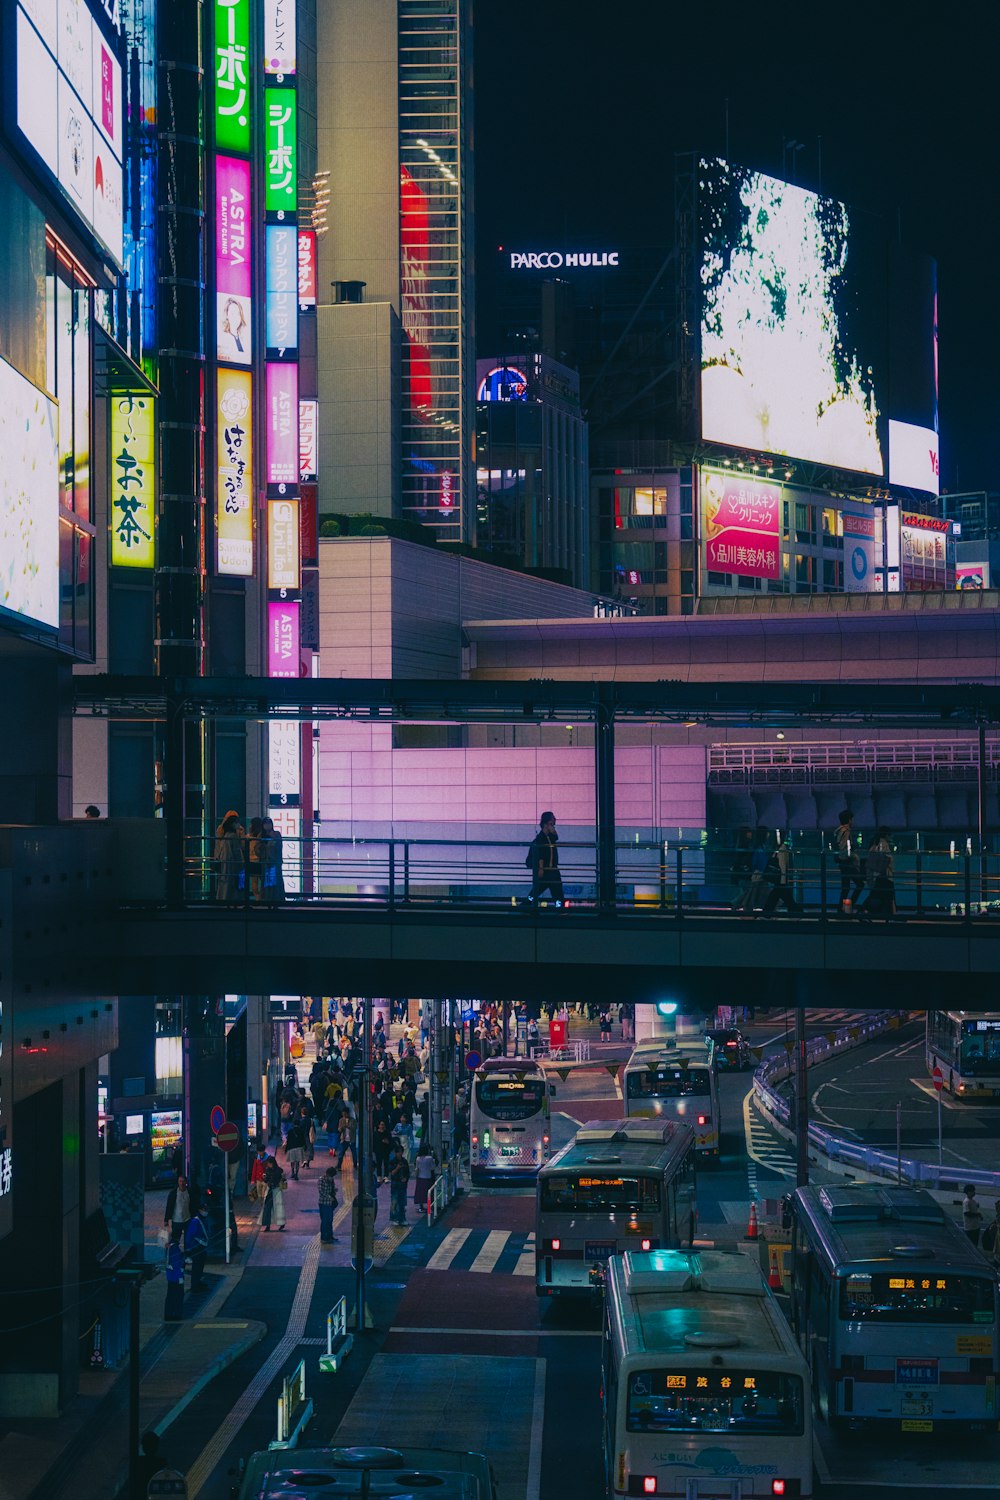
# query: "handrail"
442,1190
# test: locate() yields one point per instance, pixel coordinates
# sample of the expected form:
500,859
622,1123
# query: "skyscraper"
395,324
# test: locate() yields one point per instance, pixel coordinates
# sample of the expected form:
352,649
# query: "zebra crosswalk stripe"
448,1249
490,1253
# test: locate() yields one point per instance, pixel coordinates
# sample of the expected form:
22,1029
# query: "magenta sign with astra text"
282,424
283,638
233,272
741,525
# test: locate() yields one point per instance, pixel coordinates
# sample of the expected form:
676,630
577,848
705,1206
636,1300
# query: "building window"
68,293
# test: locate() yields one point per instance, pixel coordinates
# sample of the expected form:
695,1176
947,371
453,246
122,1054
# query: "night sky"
580,108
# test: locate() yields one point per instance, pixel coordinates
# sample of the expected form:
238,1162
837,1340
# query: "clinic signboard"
281,277
283,638
233,261
740,525
282,401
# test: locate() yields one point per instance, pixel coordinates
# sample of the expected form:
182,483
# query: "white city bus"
894,1308
671,1080
965,1045
508,1119
619,1185
704,1391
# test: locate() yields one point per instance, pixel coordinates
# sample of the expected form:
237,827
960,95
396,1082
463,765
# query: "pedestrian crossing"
764,1148
829,1020
498,1252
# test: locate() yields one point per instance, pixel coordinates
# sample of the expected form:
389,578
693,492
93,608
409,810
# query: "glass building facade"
436,235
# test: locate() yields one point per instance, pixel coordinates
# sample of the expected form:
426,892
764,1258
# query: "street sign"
938,1078
472,1061
227,1138
218,1118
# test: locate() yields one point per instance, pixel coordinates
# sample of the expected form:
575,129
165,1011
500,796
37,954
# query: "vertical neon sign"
232,76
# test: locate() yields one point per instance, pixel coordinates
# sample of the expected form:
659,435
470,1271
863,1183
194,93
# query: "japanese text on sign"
280,167
232,90
133,427
741,526
235,473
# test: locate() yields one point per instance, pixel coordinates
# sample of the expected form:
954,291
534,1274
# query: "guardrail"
339,1342
442,1190
295,1408
869,1159
568,1052
675,879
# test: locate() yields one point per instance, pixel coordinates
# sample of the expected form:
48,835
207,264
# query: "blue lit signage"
504,383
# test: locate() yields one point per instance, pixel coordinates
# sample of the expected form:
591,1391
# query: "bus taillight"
703,1119
555,1244
647,1244
777,1486
649,1484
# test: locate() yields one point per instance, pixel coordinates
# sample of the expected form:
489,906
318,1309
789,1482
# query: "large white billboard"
29,500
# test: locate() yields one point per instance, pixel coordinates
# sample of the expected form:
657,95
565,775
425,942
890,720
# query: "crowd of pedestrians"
763,870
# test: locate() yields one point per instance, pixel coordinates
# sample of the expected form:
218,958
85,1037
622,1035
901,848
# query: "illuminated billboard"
281,276
282,433
307,268
741,525
283,638
279,36
283,759
29,500
133,481
283,544
913,456
787,364
234,491
927,553
233,263
68,106
414,292
280,159
232,73
308,441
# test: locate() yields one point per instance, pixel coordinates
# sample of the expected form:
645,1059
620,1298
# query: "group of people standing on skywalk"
248,861
763,869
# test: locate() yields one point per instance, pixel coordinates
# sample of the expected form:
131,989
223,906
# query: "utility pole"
801,1098
439,1073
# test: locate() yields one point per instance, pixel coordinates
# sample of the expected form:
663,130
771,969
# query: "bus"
619,1185
296,1473
704,1391
894,1308
508,1119
965,1045
677,1081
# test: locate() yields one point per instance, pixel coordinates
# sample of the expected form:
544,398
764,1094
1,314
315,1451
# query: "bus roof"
690,1302
509,1065
972,1015
301,1472
655,1144
870,1222
693,1055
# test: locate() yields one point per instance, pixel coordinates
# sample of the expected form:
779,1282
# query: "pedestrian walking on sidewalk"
295,1142
972,1214
423,1174
327,1204
543,862
347,1130
196,1249
399,1176
605,1020
178,1210
274,1198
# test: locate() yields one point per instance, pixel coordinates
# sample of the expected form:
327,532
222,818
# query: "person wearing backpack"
542,860
852,881
779,872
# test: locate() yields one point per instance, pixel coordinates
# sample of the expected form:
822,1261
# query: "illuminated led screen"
29,500
784,368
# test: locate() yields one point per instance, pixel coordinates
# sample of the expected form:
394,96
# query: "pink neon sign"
740,522
282,424
283,638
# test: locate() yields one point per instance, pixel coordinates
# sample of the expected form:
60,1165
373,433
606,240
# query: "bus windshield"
714,1401
510,1098
917,1298
670,1083
583,1193
980,1047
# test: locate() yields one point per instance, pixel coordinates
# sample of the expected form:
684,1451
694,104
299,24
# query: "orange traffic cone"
751,1233
773,1271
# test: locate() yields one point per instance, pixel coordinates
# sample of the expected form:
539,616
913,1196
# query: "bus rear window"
669,1083
510,1098
733,1401
585,1192
917,1297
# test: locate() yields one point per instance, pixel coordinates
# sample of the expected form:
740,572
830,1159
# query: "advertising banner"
972,575
309,523
308,441
29,500
233,264
283,570
913,457
283,759
288,822
280,163
741,520
926,553
234,493
282,397
414,292
283,638
281,278
862,527
279,36
307,268
133,481
310,609
67,104
232,89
